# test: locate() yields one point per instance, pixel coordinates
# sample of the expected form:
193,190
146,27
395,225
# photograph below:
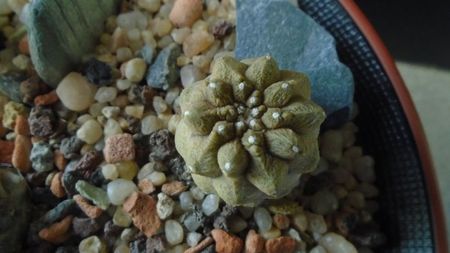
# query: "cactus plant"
249,130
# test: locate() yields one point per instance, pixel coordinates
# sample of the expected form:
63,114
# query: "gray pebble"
164,72
41,157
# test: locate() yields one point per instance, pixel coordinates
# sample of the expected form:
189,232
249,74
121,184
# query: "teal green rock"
62,32
14,206
10,86
94,194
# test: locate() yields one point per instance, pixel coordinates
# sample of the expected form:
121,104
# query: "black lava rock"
98,72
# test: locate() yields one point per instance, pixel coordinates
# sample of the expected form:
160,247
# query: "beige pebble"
135,69
186,12
197,42
76,92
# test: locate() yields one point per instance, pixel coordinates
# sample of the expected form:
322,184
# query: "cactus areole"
249,130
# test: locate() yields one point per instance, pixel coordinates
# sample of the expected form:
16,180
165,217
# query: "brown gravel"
46,99
119,148
281,221
254,243
142,209
57,232
173,188
146,186
201,246
21,154
59,160
281,244
56,186
186,12
21,127
90,210
227,243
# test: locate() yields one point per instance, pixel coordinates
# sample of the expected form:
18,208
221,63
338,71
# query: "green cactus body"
249,130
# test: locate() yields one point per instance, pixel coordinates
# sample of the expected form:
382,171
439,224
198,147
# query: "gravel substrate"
99,157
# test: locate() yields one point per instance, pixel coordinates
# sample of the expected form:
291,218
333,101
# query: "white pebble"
151,124
190,74
123,84
135,111
186,200
75,92
135,69
110,172
149,5
90,132
164,206
294,234
318,249
157,178
92,244
119,189
111,111
112,127
106,94
193,238
130,20
335,243
121,218
210,204
160,105
179,35
174,232
263,219
197,193
123,54
145,171
316,223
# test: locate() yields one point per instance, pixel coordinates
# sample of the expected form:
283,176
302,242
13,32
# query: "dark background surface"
414,31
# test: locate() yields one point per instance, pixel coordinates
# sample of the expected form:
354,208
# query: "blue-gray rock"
10,86
164,72
62,32
147,53
298,43
41,157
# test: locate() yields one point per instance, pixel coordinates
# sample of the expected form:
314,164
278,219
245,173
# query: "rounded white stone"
193,238
106,94
119,189
157,178
186,200
75,92
335,243
210,204
110,171
90,132
174,232
151,124
263,219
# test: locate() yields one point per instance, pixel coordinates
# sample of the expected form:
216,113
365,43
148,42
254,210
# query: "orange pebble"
57,232
46,99
21,155
21,127
56,186
23,45
90,210
142,209
59,160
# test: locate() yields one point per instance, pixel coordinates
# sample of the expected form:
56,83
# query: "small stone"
42,121
119,148
190,74
85,227
10,86
157,178
364,169
193,238
221,29
163,73
127,169
147,53
227,243
194,219
272,233
46,99
135,69
118,190
71,146
283,244
146,186
121,218
186,12
90,132
11,111
112,127
20,158
262,218
21,126
56,186
179,35
105,94
155,244
142,209
41,157
135,111
316,223
331,145
88,209
254,243
197,42
97,195
186,200
57,232
162,145
88,162
174,232
281,221
151,124
98,72
92,244
210,204
122,248
318,249
75,92
197,193
324,202
205,244
237,224
165,206
300,221
335,243
173,188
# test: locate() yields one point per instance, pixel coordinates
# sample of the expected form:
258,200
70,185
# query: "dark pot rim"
387,62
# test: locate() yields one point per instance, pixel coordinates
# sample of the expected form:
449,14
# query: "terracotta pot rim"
387,62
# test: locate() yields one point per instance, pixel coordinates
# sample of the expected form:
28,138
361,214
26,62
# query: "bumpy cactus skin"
249,130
